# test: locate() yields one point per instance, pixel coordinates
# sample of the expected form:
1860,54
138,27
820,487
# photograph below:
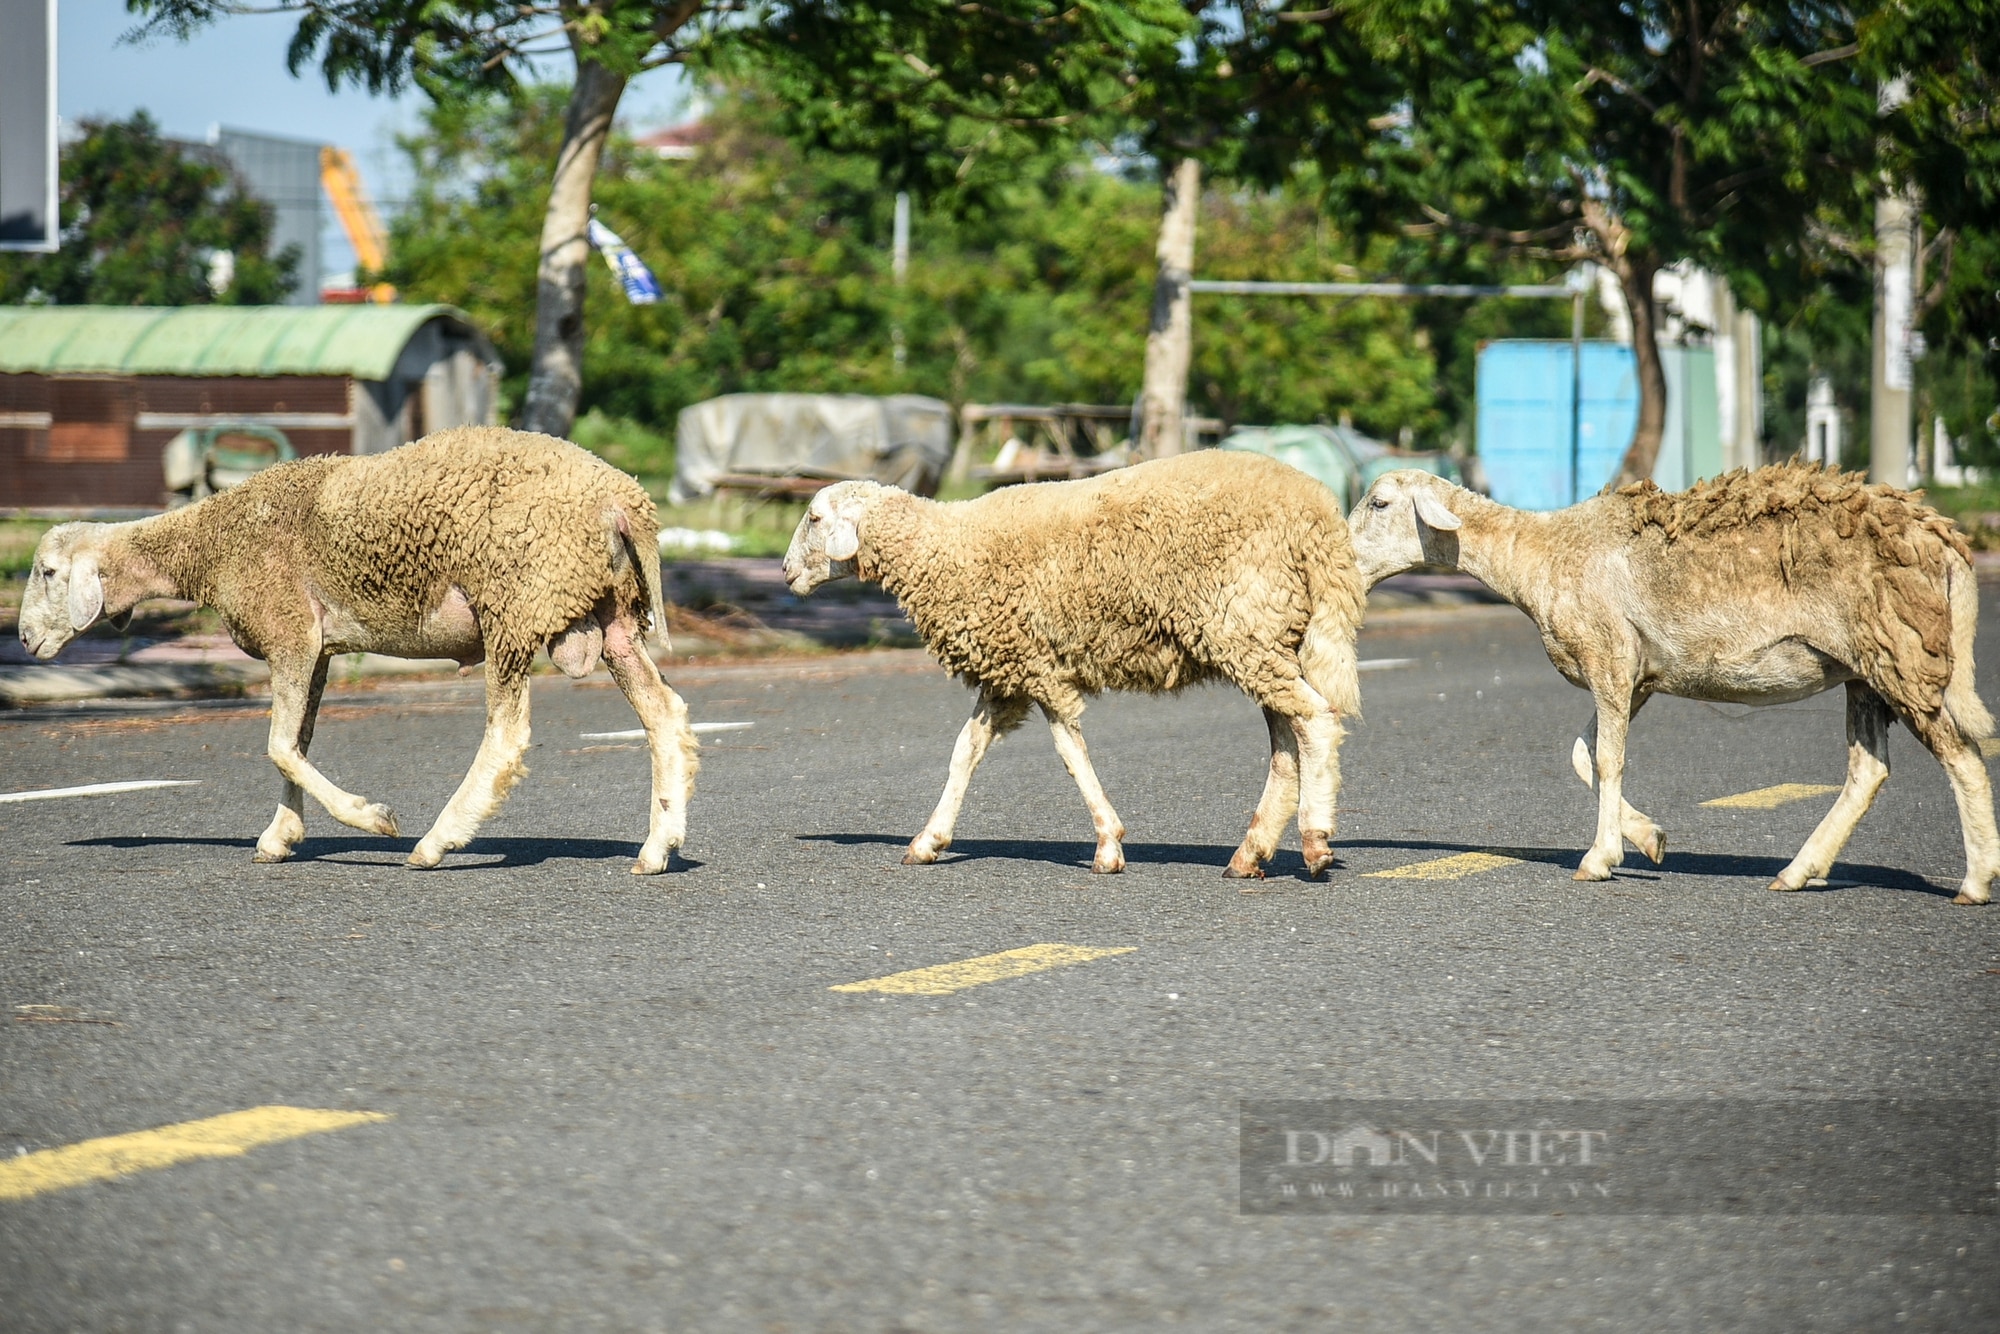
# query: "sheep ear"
86,593
1432,511
843,540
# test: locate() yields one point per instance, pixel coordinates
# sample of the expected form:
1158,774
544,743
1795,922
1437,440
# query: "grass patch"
633,447
759,527
17,544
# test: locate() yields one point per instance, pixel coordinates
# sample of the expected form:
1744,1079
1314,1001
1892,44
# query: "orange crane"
341,180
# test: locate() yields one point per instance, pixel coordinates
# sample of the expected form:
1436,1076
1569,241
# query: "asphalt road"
634,1104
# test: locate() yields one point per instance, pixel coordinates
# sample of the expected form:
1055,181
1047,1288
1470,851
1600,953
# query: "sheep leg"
990,718
288,826
494,770
1275,807
1614,711
674,749
1110,858
1318,736
1867,769
1644,835
292,695
1974,792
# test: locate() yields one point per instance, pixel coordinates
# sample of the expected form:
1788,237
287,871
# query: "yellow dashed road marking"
224,1136
1770,798
945,978
1447,868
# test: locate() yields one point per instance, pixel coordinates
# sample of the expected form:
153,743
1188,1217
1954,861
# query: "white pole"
899,267
1889,399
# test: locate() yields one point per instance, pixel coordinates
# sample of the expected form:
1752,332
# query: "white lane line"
1383,664
96,789
639,733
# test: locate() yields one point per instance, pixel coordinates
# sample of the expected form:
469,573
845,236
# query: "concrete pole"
1889,410
1889,397
1170,334
899,268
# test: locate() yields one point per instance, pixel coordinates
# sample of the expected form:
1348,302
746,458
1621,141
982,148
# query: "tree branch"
1826,57
1595,75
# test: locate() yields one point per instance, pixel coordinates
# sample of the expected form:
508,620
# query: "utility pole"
1889,397
899,268
1170,333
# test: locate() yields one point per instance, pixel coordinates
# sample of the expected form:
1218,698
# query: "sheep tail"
642,545
1961,696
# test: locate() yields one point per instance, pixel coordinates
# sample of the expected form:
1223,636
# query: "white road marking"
1382,664
639,733
97,789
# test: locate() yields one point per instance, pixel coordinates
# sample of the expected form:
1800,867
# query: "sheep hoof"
1966,900
649,866
377,819
915,858
1779,886
425,858
1655,847
1587,872
1318,853
271,856
1108,865
1235,872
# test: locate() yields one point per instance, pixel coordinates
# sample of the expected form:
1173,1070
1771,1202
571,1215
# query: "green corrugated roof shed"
362,340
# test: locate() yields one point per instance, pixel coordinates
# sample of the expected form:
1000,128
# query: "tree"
1217,88
1943,139
1736,134
146,222
773,257
451,50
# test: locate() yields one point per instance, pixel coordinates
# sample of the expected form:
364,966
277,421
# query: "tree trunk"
555,378
1635,280
1170,335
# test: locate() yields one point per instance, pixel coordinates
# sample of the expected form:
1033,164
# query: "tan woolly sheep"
474,543
1209,566
1759,587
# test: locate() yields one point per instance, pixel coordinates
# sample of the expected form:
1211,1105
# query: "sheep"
1207,566
476,543
1759,587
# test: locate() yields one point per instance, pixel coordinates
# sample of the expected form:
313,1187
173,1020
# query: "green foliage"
1717,133
774,260
18,538
140,219
646,453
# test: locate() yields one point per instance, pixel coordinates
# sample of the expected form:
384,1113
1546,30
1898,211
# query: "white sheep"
476,543
1760,587
1207,566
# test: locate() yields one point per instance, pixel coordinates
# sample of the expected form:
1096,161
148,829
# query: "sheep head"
65,589
1404,521
829,537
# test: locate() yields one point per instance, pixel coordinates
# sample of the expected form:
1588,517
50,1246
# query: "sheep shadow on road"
1072,854
1720,866
483,854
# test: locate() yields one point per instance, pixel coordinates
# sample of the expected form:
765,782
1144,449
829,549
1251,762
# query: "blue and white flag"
641,287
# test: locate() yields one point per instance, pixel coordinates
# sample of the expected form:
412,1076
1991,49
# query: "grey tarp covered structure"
904,439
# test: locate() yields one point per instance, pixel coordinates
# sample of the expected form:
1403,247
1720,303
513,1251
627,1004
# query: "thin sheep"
1209,566
476,543
1761,587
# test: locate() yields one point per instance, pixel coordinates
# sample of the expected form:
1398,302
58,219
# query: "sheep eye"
1378,504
